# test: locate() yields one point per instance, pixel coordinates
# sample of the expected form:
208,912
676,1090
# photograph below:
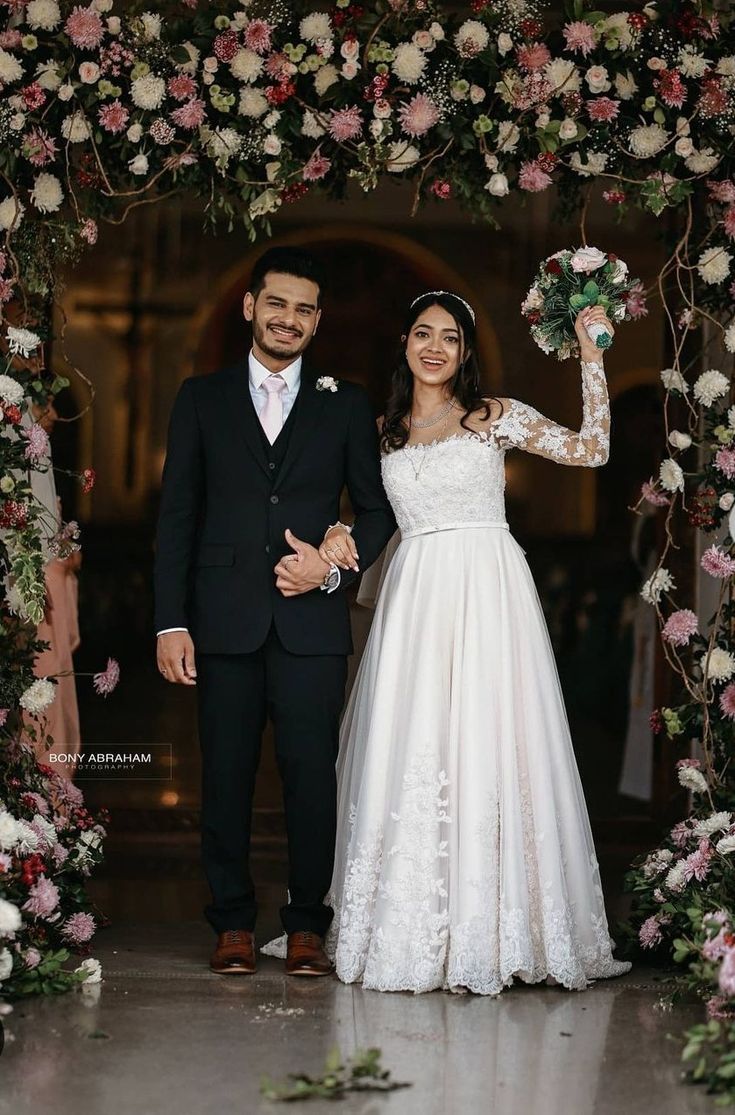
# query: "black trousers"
303,695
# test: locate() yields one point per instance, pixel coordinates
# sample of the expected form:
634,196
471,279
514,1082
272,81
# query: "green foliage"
362,1072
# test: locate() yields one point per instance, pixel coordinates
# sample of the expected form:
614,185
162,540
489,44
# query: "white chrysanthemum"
26,838
691,63
726,66
253,103
702,162
692,779
720,664
714,265
562,75
147,92
625,86
315,26
675,878
671,476
595,164
11,392
673,380
47,194
189,67
22,341
401,156
408,63
10,67
660,581
6,964
8,831
657,862
729,338
224,143
246,65
75,128
38,696
47,75
324,77
310,126
714,823
726,845
647,140
151,25
43,15
616,27
471,38
711,385
10,919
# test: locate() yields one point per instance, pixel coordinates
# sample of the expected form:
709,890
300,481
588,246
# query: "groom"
257,457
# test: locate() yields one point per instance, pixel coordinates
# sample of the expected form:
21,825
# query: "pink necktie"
271,416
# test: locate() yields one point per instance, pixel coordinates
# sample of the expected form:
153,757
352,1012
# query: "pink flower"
113,117
184,158
189,115
59,854
680,833
579,35
649,933
84,27
727,701
31,958
726,977
670,88
5,862
635,301
722,191
441,189
3,716
78,928
714,948
694,763
36,802
43,898
88,230
613,197
38,443
725,462
418,115
603,108
258,36
652,495
317,166
679,627
717,1007
38,147
33,96
6,293
696,865
533,178
9,40
345,123
533,56
717,563
728,222
105,682
278,66
181,86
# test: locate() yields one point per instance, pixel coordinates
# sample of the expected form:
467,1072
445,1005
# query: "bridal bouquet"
566,283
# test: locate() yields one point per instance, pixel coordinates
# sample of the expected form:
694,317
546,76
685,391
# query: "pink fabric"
271,417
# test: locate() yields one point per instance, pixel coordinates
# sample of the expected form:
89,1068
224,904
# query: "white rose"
114,25
492,162
138,164
436,31
350,50
498,185
568,128
349,70
679,439
587,259
684,146
92,969
66,91
477,94
272,145
134,133
597,79
656,63
726,500
505,43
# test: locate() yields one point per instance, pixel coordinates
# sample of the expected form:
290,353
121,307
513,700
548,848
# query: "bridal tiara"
451,294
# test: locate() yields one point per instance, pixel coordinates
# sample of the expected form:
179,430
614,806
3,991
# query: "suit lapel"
309,405
240,406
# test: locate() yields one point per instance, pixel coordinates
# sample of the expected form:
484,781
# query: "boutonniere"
326,383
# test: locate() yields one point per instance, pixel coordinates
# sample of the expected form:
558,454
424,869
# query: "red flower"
33,96
613,197
12,413
294,191
279,94
713,100
531,28
656,722
88,478
226,45
553,267
671,88
637,20
441,189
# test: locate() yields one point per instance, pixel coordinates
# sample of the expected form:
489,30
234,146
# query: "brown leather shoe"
305,955
235,953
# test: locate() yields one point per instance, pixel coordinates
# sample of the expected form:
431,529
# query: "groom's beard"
279,348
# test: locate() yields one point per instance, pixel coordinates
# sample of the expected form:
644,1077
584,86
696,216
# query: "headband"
450,294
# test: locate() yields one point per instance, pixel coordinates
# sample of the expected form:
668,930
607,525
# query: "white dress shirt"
257,374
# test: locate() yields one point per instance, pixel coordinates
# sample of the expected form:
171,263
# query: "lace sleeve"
526,428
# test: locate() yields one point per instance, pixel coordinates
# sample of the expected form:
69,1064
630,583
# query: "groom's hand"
301,571
175,655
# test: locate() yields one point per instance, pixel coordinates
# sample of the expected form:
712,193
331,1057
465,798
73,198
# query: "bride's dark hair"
465,387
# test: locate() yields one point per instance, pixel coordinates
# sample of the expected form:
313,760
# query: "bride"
464,853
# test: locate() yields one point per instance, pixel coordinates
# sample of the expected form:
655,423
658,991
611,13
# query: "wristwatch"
331,579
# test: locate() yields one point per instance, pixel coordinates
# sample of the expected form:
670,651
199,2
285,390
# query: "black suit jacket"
223,513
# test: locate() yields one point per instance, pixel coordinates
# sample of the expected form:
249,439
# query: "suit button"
271,464
267,548
274,499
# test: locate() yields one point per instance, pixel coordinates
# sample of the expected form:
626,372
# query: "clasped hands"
306,568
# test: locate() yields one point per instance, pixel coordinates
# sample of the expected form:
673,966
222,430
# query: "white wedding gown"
464,853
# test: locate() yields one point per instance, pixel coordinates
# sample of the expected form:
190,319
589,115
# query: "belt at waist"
452,526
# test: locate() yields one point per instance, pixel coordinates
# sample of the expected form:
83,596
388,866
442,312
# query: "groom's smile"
284,314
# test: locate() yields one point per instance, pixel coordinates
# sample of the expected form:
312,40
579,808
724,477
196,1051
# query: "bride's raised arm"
524,427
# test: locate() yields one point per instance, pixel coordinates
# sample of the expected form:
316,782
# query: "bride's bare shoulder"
485,416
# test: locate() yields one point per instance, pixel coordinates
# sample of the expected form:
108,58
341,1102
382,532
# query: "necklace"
422,423
424,455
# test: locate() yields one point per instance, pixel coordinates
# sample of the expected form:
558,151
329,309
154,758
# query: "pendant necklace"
422,424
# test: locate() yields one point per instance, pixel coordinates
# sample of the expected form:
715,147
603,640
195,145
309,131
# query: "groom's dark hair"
286,260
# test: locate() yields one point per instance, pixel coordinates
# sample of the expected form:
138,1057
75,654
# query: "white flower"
43,15
437,31
714,823
148,91
272,118
310,126
625,86
647,140
568,128
264,203
701,162
726,845
596,163
114,26
6,964
562,75
47,75
711,385
10,67
505,43
151,25
134,133
726,500
617,29
324,77
720,664
534,300
223,143
587,259
89,72
272,170
714,265
210,65
597,79
326,383
684,147
22,341
47,194
497,185
92,969
45,831
189,67
691,63
675,878
508,136
38,696
75,128
729,338
8,831
66,91
660,581
138,164
673,380
315,26
10,919
401,156
253,103
26,839
726,66
472,38
246,65
679,439
11,392
671,476
349,70
272,144
408,63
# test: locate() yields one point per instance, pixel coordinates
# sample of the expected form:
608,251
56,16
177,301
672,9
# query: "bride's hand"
588,348
339,547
